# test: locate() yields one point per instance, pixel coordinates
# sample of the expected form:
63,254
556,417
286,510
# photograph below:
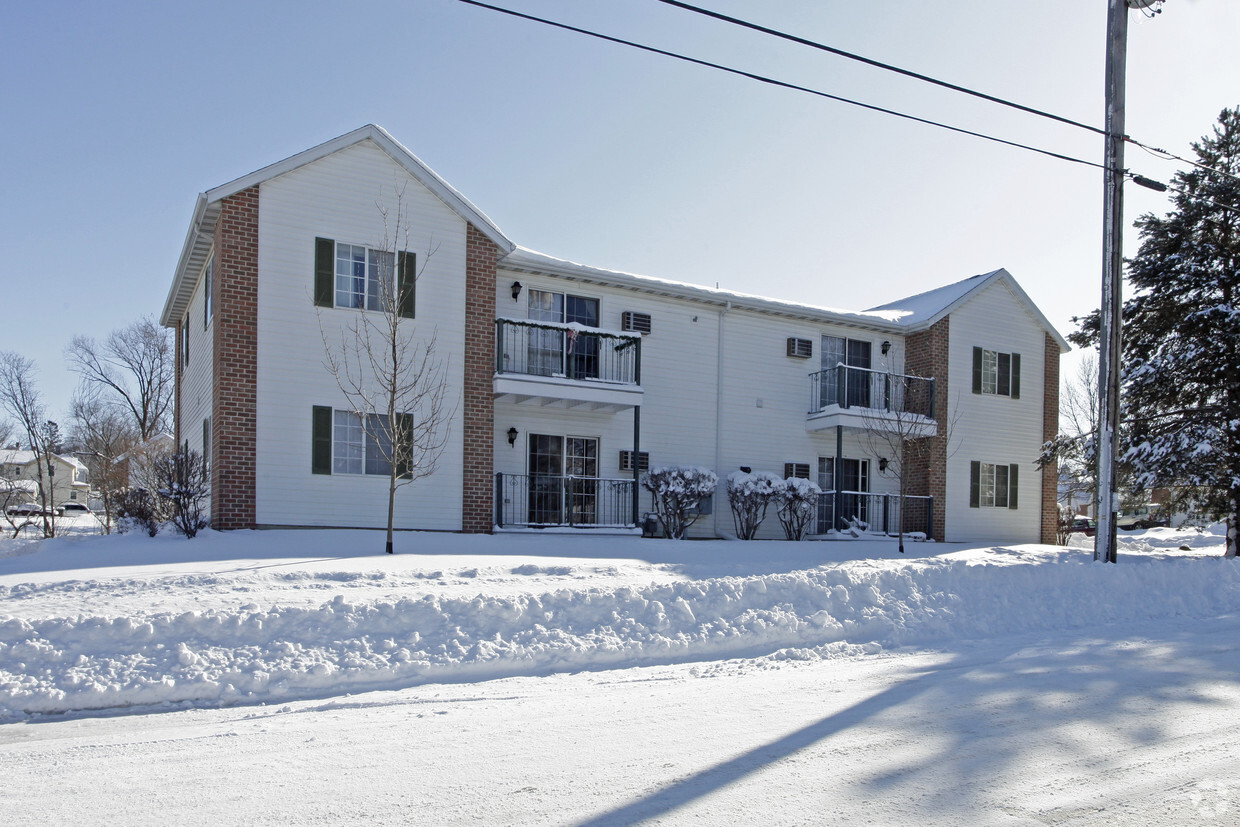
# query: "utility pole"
1110,316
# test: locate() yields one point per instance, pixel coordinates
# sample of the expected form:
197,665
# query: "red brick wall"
1050,427
234,405
478,500
925,354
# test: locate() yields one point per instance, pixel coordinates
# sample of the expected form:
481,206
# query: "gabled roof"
197,246
925,309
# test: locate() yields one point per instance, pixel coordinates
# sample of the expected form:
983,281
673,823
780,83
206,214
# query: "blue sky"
118,114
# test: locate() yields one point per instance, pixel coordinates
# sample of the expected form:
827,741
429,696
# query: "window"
208,281
342,443
992,485
206,440
356,276
185,342
996,373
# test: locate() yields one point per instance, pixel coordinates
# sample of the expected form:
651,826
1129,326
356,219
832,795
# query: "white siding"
765,393
196,384
993,428
336,197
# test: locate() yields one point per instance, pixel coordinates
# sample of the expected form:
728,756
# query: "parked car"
1141,516
1083,525
73,509
27,510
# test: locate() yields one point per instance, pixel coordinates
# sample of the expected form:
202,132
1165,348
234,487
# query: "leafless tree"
133,370
6,433
20,399
104,434
394,381
901,431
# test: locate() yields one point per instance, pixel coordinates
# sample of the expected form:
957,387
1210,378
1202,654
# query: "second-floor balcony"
567,365
868,399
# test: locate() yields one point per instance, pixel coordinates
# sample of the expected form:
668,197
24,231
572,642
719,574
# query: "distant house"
20,469
571,380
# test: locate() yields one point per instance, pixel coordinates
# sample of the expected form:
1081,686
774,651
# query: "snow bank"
247,654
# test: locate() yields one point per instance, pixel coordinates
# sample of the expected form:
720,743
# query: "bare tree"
905,430
20,399
104,436
1073,447
133,370
393,380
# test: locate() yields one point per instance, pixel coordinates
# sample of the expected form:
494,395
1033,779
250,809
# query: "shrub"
185,485
796,503
749,495
677,493
137,510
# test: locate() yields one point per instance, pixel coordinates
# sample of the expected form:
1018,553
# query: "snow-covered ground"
297,677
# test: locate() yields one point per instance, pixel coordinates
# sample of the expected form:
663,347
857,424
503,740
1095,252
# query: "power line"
1168,156
880,65
779,83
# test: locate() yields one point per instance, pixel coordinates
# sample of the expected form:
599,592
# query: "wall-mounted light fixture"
745,469
886,347
882,465
512,436
516,290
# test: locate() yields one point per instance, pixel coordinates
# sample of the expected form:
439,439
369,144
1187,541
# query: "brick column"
1050,428
478,497
925,354
234,363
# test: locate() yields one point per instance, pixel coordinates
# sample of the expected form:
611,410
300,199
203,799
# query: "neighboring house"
570,380
69,476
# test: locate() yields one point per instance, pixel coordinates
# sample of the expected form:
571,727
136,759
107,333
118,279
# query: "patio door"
560,352
853,504
563,475
855,384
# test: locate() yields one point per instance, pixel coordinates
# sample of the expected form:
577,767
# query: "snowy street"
297,677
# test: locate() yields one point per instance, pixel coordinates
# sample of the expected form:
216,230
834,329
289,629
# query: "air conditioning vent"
800,348
626,461
634,322
796,469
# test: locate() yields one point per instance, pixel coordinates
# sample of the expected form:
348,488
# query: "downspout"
714,512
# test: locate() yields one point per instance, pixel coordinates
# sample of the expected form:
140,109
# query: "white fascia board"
193,251
524,260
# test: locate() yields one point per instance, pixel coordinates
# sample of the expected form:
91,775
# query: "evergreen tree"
1181,356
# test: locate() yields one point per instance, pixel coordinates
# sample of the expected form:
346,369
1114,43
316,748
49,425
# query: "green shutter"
1012,469
975,484
977,370
321,441
1004,370
1016,376
408,283
402,446
324,273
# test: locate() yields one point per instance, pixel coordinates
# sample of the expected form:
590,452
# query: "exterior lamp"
882,465
512,436
516,290
886,347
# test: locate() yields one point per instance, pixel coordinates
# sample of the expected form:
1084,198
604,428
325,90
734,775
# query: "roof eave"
194,252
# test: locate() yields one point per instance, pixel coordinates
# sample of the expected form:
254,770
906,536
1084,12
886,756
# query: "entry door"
582,468
546,467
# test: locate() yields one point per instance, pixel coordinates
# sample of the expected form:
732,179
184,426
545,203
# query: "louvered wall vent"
800,348
634,322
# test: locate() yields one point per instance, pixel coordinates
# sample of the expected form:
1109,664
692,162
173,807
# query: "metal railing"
851,387
538,500
874,513
566,351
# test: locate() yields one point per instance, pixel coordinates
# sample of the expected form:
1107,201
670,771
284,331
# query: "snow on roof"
526,260
16,456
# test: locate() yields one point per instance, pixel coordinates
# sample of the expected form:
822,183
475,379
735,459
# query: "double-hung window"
208,284
996,373
356,276
992,485
347,442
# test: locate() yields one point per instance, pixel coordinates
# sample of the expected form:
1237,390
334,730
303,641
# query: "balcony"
545,501
566,365
865,399
867,513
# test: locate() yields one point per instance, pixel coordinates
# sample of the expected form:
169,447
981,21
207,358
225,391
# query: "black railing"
850,387
874,513
566,351
538,500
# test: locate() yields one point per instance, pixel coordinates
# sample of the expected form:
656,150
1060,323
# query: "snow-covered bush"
796,502
678,491
185,486
749,495
137,510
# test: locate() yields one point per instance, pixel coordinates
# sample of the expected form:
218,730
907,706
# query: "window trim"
1005,380
404,277
985,476
324,456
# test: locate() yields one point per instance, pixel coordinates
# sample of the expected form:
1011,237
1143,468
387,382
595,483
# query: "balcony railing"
850,387
566,351
542,501
874,513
